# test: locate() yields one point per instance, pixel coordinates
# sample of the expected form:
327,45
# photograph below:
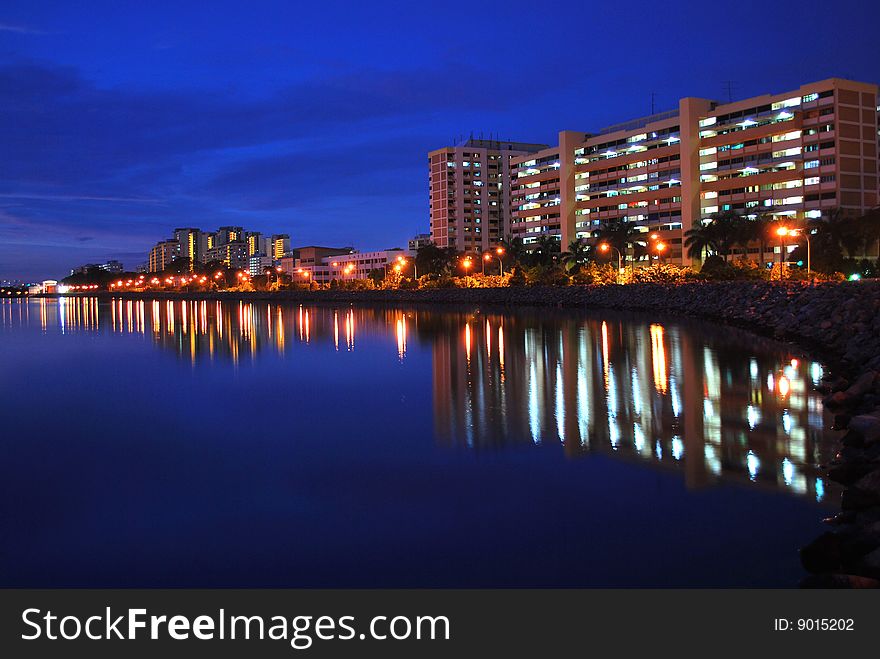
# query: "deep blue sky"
118,123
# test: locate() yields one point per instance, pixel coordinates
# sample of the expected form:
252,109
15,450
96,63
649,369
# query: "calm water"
199,443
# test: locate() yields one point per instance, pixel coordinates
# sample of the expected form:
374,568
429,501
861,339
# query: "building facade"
163,254
470,192
193,244
792,155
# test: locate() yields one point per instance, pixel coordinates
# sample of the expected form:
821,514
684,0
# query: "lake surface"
182,443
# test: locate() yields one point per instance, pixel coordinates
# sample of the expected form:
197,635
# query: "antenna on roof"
729,85
653,96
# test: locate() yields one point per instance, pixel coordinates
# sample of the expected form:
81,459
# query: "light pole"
782,232
660,247
402,261
466,263
605,247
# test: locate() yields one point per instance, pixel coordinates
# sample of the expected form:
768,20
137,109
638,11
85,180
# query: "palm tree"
514,249
577,254
546,247
760,230
701,239
617,233
726,227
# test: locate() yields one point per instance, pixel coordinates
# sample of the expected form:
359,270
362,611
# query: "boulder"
867,426
823,554
838,581
863,384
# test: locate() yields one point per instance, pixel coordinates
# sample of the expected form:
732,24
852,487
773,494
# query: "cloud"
19,29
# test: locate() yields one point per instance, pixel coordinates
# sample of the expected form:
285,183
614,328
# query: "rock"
870,484
845,517
838,581
847,473
866,425
855,499
823,554
862,385
836,400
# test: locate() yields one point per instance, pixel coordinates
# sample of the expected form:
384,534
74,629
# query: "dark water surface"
180,443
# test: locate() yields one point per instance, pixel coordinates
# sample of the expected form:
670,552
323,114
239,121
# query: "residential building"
193,244
233,254
418,241
257,244
112,265
279,246
789,155
470,186
257,264
163,254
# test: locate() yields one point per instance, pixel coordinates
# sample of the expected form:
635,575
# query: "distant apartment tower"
791,155
257,244
279,246
233,254
418,241
470,200
163,254
193,244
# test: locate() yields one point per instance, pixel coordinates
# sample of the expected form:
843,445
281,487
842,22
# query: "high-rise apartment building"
279,246
257,244
193,244
791,155
470,201
163,254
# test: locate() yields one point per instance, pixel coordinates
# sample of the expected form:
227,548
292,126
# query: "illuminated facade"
163,254
279,246
470,202
193,244
789,155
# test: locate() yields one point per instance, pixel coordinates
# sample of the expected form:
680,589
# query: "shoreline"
838,323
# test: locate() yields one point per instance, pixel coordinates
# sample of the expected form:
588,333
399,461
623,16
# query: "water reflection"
715,403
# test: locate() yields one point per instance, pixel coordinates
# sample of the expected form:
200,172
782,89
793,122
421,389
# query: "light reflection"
717,406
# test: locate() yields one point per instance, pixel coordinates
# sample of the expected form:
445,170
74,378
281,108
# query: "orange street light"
605,247
782,232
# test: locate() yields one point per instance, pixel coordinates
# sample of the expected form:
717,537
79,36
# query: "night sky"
119,123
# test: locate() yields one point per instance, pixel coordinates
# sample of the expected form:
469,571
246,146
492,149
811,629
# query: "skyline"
298,121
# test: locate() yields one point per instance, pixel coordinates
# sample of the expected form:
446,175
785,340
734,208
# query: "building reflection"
665,395
714,402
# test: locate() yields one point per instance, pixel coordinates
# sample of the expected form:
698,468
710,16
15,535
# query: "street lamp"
660,247
487,258
466,263
782,232
605,247
402,261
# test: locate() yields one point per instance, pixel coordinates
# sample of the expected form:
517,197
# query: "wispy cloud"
71,197
19,29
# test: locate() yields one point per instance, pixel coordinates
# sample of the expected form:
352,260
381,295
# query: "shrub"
594,274
542,275
660,274
517,277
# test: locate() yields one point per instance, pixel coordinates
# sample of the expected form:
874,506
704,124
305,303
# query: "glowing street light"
487,257
782,232
605,247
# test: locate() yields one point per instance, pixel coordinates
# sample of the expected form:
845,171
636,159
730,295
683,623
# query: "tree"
545,250
700,240
514,250
430,259
617,233
577,255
